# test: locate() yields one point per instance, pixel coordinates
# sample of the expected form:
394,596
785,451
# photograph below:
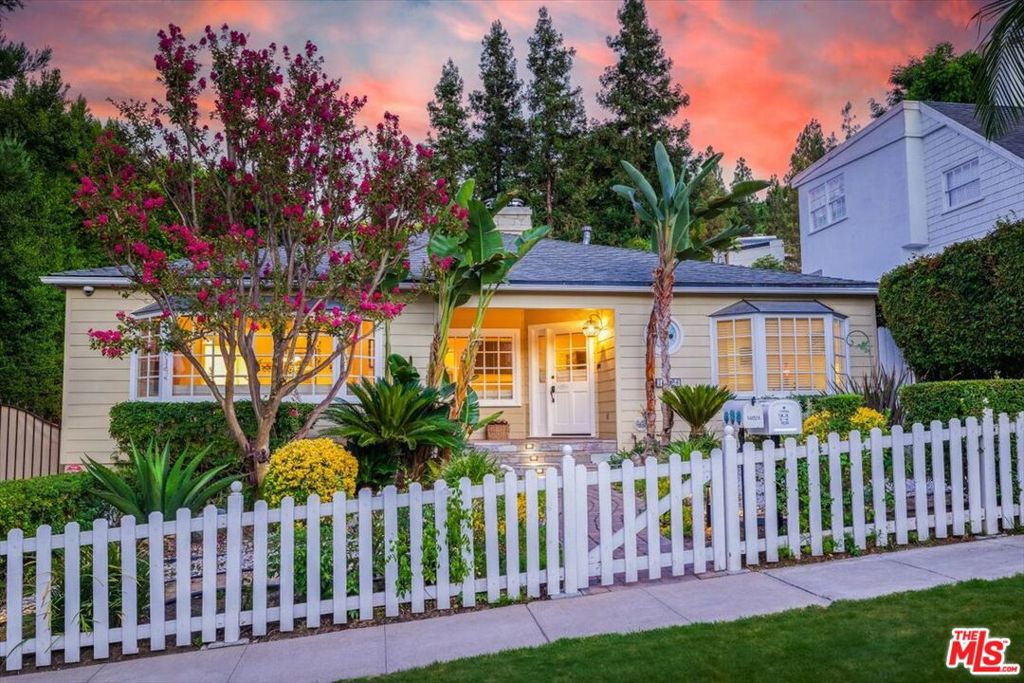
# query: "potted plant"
496,431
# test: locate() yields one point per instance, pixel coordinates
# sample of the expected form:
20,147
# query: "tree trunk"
259,446
663,299
550,203
651,403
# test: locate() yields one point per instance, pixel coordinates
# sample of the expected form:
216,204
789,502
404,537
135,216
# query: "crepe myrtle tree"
671,218
280,215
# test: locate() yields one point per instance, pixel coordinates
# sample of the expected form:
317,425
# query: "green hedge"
193,426
958,314
927,401
56,500
837,404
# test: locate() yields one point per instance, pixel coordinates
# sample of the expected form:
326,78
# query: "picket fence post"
732,504
988,474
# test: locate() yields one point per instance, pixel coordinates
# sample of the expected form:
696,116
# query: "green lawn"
900,637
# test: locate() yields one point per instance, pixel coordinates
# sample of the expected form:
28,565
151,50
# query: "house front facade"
919,178
563,344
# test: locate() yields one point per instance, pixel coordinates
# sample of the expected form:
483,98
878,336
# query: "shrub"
838,404
957,315
152,484
190,427
704,444
473,464
824,422
768,262
394,426
880,390
927,401
302,468
27,504
697,404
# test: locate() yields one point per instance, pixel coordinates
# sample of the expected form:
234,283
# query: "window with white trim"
496,368
963,184
777,354
171,376
827,202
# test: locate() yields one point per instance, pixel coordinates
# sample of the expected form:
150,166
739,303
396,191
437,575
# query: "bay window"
170,376
496,370
779,347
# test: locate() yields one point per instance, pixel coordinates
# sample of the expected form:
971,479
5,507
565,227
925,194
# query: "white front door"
565,385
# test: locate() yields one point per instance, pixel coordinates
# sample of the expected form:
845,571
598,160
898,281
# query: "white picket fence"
550,532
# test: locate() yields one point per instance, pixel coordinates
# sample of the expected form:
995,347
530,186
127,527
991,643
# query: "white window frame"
946,188
517,363
166,392
758,342
829,197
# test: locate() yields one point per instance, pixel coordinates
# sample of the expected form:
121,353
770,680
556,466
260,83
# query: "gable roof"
554,264
964,114
959,116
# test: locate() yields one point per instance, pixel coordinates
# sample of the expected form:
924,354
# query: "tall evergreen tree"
849,125
17,60
644,102
638,88
449,126
781,218
742,173
501,138
557,116
811,145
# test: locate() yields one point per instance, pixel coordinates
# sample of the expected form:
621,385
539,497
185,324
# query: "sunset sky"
755,71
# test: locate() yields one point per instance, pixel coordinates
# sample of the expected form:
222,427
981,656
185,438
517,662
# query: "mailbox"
781,417
784,417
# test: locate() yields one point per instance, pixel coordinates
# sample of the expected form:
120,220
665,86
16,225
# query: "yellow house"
563,348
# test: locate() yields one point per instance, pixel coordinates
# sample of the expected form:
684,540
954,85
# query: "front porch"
551,373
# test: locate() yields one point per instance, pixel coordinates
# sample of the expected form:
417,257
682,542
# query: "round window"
675,336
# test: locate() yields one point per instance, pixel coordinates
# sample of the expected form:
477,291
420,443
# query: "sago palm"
403,421
697,405
154,484
671,218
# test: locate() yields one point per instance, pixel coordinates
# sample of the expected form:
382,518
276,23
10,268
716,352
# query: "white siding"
1002,186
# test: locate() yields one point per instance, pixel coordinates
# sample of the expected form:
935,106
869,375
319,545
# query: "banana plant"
474,263
671,218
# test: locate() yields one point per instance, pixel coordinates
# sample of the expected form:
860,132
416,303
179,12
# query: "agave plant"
697,404
154,484
394,425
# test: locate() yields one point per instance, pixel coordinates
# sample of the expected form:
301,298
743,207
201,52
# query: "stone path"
619,609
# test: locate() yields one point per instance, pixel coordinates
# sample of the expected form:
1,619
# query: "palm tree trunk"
664,282
650,405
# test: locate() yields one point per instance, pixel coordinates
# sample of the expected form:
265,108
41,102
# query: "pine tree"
638,88
849,125
556,110
644,103
500,130
781,218
742,172
449,130
811,145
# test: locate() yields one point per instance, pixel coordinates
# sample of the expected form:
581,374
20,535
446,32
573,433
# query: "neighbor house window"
184,380
779,347
963,184
827,202
496,369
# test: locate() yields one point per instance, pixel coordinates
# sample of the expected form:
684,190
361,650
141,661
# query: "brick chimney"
515,218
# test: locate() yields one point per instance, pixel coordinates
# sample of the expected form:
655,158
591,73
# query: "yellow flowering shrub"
821,423
307,466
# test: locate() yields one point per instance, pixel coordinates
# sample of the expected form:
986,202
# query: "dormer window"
828,203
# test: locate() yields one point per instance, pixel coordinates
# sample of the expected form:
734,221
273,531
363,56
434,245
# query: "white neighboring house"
749,249
919,178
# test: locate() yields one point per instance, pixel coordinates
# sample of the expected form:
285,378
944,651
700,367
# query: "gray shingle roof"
787,307
963,114
553,263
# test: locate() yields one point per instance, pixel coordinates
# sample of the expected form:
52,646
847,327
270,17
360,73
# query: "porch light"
592,327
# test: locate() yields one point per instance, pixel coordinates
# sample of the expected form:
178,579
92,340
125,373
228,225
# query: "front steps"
524,454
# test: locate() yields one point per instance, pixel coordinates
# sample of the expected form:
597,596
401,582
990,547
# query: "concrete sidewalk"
393,647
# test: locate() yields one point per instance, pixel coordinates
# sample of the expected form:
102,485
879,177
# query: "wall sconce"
592,327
